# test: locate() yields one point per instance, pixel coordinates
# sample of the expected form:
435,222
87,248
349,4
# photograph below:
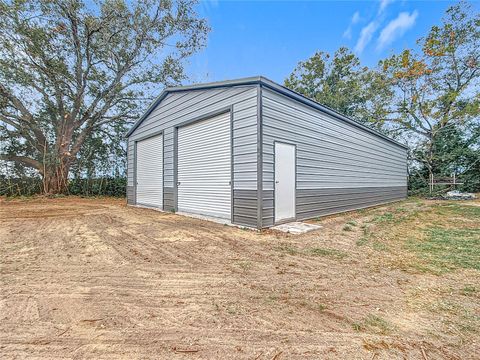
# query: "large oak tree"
68,68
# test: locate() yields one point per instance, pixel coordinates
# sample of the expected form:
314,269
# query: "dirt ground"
93,278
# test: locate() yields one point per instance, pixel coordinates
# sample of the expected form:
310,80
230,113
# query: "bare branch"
32,163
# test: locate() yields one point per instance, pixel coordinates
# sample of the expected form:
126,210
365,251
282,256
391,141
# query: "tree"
69,70
342,84
457,151
438,88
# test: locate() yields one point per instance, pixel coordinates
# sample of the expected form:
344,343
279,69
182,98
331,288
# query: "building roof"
262,81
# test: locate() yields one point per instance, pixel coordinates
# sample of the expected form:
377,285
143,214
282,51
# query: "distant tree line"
75,76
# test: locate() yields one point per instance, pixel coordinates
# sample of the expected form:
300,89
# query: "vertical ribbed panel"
331,153
180,107
204,167
339,167
150,171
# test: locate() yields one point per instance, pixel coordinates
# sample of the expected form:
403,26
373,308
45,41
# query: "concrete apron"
296,227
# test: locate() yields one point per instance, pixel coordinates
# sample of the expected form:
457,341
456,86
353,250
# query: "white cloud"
347,34
366,36
383,5
396,28
355,19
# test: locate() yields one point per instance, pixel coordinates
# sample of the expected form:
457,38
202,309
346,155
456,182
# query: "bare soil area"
93,278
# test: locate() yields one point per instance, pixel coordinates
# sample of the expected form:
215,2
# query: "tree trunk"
55,178
430,164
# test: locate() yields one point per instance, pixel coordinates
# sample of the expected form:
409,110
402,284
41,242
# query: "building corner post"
259,158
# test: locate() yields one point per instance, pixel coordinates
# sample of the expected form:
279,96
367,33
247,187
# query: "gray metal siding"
319,202
334,158
130,195
180,107
245,207
149,167
168,199
204,168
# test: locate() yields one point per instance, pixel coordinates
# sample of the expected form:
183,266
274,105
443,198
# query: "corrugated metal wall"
150,171
204,168
339,166
179,107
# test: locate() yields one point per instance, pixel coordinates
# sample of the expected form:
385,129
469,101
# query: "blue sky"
269,37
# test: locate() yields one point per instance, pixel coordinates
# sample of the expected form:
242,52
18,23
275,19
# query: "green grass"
379,246
366,230
457,315
245,265
347,228
327,252
373,323
321,307
469,290
448,249
289,249
362,241
396,216
384,218
470,212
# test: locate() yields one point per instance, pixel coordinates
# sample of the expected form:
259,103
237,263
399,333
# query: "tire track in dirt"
115,282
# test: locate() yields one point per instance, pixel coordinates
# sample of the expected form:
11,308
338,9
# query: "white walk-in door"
284,182
149,175
204,167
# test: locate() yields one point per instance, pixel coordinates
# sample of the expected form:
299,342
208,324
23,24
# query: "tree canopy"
70,70
427,96
341,83
438,87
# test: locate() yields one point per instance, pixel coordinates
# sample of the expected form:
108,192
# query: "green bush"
102,186
22,186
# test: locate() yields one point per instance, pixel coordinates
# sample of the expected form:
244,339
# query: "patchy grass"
245,265
469,290
317,251
288,249
432,239
362,241
327,252
373,324
321,307
386,217
449,249
456,315
379,246
347,228
470,212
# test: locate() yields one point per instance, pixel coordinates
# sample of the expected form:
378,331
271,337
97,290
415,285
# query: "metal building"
257,154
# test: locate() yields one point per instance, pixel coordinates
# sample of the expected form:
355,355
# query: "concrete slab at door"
284,182
149,168
204,167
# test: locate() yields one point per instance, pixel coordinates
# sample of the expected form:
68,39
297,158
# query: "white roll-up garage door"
204,167
150,171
